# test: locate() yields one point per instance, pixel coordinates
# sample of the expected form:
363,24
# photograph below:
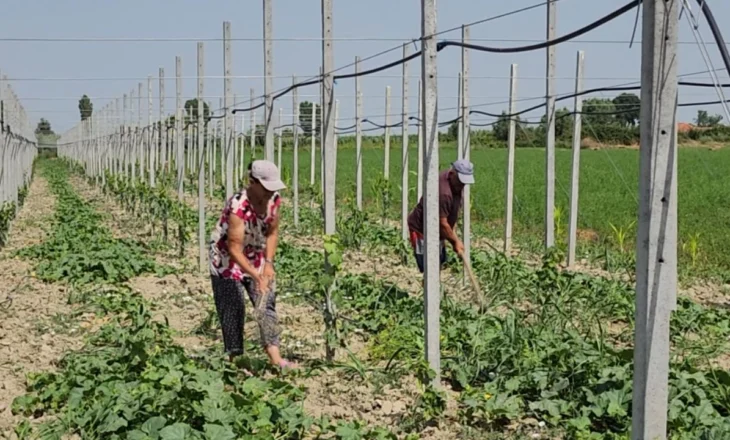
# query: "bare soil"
35,325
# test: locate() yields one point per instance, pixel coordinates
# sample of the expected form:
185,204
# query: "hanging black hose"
716,33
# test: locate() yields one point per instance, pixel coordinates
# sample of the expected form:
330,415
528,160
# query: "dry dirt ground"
35,325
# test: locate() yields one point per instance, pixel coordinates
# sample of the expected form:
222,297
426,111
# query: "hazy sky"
40,71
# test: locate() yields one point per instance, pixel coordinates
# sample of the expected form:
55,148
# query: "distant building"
684,127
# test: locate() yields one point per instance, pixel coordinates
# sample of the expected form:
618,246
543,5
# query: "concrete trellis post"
118,137
179,159
135,139
460,122
358,136
550,117
429,126
280,133
210,141
466,142
405,138
219,135
253,126
328,112
140,138
268,81
150,136
242,152
235,153
295,168
510,162
201,160
321,131
575,169
163,131
386,162
419,173
656,241
337,121
313,147
125,139
227,105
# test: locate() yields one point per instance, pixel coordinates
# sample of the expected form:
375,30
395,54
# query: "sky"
50,76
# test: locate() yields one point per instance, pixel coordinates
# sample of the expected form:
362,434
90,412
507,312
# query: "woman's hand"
267,276
269,271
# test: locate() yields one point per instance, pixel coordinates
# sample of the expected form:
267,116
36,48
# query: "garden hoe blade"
268,326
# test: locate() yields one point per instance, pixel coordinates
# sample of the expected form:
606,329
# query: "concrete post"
227,105
575,168
141,137
162,160
656,242
460,122
268,80
150,133
203,256
465,144
386,162
135,139
281,131
179,159
419,174
235,153
429,126
295,168
550,117
404,149
125,139
510,162
253,127
313,147
358,136
328,129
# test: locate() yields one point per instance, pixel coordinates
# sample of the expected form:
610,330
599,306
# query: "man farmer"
451,186
242,249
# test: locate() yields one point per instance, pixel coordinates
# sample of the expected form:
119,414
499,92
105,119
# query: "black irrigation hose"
716,33
442,45
584,30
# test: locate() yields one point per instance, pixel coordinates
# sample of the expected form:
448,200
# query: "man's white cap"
267,173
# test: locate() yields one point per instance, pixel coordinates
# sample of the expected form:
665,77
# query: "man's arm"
448,233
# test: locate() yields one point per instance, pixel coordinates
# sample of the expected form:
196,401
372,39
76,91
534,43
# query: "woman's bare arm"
236,229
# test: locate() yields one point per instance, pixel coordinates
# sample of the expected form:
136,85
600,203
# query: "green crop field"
608,194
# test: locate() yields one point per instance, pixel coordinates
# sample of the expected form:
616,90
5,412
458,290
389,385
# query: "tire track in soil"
30,340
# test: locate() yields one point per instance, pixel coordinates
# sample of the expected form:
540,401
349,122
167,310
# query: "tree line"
613,121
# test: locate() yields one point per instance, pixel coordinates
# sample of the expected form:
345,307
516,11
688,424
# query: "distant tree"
599,112
86,108
501,127
260,135
630,106
191,111
305,118
453,132
44,128
563,123
705,120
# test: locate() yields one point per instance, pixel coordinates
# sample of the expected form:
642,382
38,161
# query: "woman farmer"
242,249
